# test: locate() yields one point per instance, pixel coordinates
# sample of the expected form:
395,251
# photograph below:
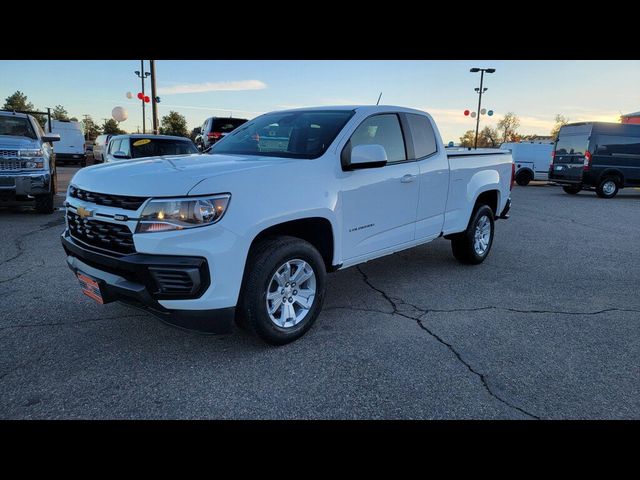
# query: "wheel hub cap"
290,293
609,187
482,235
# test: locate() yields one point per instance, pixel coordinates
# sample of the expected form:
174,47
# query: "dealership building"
630,118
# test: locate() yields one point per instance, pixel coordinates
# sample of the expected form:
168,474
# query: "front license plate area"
90,287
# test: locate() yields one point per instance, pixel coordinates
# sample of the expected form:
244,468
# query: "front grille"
174,281
8,153
117,201
104,235
7,165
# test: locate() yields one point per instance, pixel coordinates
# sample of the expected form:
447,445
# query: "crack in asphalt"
440,340
18,240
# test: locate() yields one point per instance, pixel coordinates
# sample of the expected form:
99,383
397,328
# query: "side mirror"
51,137
367,156
121,155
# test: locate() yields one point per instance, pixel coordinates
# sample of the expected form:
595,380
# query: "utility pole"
480,92
154,99
142,74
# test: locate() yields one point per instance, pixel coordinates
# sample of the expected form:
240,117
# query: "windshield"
304,134
16,126
153,147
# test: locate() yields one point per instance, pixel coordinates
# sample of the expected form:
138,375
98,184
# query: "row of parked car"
604,157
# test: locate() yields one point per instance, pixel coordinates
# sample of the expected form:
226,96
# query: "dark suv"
214,128
596,155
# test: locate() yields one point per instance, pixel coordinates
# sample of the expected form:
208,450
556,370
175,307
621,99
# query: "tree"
59,113
174,124
17,101
91,130
487,137
508,125
111,127
560,121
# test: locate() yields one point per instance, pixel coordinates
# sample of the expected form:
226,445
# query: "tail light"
214,135
513,175
587,161
553,156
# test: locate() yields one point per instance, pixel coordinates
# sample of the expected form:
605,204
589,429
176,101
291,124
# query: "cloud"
236,85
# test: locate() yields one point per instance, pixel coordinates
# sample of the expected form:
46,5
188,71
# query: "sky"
535,90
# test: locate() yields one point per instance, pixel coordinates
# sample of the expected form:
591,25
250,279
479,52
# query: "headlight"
180,213
36,152
32,164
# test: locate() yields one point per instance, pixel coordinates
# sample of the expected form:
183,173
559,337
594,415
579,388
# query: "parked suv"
214,128
126,147
596,155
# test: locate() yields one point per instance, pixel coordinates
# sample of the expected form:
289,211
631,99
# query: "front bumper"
133,279
71,157
21,184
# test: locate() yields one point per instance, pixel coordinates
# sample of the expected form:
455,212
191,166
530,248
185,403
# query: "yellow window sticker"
144,141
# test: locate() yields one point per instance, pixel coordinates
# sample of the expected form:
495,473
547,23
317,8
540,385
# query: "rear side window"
616,145
424,140
382,130
114,146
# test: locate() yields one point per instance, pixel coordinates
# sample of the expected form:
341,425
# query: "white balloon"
483,111
129,95
473,114
119,114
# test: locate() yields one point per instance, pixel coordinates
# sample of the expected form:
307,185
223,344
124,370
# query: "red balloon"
146,99
466,113
140,96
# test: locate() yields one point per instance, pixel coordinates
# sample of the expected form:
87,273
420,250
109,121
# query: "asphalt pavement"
547,327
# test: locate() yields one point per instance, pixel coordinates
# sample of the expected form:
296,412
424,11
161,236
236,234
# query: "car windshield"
153,147
16,126
302,134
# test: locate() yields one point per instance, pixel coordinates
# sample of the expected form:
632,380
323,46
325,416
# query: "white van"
531,159
70,148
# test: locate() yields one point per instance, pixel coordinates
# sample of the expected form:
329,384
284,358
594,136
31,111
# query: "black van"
596,155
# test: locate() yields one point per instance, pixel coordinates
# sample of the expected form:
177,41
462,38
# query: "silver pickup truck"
27,162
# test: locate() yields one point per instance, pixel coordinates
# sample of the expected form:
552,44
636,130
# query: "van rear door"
569,153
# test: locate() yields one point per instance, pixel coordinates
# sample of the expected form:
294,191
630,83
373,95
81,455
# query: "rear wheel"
571,190
283,290
473,245
523,178
608,187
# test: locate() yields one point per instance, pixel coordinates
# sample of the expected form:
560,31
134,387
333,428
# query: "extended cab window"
424,140
382,130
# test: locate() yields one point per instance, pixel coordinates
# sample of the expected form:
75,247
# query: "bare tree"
508,125
560,121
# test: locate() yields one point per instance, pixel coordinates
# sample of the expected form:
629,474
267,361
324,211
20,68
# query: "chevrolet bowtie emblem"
84,213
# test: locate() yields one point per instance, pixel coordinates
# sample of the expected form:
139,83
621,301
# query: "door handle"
408,178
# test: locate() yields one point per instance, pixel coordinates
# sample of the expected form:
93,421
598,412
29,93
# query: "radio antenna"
379,97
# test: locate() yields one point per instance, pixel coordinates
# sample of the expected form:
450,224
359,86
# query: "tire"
608,187
83,163
571,190
463,245
44,203
265,260
523,178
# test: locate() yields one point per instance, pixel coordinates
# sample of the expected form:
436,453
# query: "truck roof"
365,108
16,114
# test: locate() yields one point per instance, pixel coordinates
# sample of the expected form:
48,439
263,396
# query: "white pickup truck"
250,230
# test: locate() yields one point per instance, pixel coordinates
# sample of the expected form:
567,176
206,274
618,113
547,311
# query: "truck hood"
166,176
9,142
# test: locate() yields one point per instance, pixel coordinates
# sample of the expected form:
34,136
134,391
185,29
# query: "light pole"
154,98
142,75
480,92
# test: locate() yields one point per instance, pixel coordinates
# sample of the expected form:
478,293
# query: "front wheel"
473,245
283,290
571,190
